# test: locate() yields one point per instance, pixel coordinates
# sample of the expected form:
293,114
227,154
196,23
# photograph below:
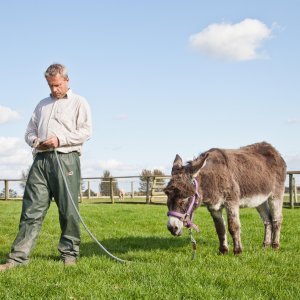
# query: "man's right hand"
50,143
35,143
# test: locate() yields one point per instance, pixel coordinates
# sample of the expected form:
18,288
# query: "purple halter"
187,217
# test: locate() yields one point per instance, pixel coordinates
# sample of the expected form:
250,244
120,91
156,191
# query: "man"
62,122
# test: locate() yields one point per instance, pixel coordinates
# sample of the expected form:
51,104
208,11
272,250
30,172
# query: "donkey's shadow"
132,244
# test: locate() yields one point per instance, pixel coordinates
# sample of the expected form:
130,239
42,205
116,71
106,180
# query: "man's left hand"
52,142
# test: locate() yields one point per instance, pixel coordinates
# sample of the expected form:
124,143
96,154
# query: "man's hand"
52,142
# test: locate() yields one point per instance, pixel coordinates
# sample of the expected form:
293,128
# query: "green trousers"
45,182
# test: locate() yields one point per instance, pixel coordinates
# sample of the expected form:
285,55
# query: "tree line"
104,187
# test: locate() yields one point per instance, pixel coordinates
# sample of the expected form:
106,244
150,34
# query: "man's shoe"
69,262
7,266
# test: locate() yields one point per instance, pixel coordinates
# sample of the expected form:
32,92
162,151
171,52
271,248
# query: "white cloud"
236,42
118,168
110,164
92,167
121,117
164,169
293,121
292,162
7,114
15,156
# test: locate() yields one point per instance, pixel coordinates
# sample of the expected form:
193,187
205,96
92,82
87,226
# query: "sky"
162,77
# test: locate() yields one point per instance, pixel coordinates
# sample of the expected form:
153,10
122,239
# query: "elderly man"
62,122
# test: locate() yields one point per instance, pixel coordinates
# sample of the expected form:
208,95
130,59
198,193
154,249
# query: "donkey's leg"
275,204
234,227
221,229
266,217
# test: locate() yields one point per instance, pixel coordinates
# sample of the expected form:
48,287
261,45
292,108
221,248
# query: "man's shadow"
120,246
132,244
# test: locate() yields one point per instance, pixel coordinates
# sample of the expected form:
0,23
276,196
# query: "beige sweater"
68,119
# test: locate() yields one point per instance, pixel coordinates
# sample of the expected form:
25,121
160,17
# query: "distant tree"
149,174
85,193
161,181
82,186
105,184
143,180
11,193
24,177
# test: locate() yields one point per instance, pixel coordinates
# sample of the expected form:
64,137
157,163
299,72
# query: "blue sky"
161,77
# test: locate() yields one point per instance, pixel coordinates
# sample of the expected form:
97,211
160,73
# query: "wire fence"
146,189
105,189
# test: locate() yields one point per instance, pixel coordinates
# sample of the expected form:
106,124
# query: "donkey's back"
258,170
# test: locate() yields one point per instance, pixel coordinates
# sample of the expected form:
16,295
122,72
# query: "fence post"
132,192
295,191
111,190
148,190
80,192
291,190
6,188
89,190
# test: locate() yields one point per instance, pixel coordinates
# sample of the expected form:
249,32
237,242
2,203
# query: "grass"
160,265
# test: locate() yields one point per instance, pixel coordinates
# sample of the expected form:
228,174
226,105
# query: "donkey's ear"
177,161
177,164
198,165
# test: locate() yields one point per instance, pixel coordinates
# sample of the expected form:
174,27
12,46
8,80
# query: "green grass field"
160,265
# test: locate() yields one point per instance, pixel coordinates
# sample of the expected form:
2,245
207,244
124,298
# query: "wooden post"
6,189
89,190
291,190
111,191
80,192
148,190
132,192
294,191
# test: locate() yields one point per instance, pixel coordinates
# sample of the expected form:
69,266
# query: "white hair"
55,69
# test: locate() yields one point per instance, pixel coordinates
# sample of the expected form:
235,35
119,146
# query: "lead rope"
194,244
193,241
77,211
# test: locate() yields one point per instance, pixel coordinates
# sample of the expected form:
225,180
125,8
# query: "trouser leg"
36,201
69,221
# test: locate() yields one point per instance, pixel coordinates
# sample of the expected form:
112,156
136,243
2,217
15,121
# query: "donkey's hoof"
266,245
275,246
237,251
223,250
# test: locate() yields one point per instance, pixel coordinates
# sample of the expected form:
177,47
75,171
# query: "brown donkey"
252,176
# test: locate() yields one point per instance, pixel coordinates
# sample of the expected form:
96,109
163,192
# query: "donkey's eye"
183,202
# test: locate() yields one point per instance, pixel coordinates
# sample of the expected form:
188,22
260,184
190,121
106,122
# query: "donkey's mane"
182,186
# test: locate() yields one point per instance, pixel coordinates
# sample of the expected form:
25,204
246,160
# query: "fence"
292,189
108,189
105,188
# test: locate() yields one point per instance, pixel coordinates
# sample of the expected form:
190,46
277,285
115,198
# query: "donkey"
251,176
121,194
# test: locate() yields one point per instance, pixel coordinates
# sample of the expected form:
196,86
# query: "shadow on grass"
119,246
124,245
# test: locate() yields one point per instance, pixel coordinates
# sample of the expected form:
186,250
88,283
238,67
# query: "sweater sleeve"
31,132
83,129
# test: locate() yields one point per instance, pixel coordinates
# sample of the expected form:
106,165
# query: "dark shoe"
69,262
7,266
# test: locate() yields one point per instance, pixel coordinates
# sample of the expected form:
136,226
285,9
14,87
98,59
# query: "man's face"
58,85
